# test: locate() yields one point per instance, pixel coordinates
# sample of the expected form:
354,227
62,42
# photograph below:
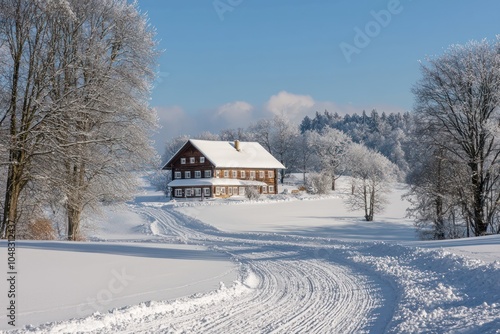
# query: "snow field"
302,268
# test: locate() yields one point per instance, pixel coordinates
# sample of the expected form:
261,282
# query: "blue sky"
227,63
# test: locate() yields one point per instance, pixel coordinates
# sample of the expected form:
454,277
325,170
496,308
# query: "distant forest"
389,134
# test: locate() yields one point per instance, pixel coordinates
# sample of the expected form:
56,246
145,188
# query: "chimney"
237,145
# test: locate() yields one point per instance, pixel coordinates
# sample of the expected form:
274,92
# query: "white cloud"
234,114
296,106
175,121
292,105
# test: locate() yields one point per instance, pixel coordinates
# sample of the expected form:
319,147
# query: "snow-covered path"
287,287
306,284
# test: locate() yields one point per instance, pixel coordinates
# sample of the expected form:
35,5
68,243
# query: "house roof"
223,154
214,182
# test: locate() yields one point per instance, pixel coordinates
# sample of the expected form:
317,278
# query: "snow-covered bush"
318,183
252,193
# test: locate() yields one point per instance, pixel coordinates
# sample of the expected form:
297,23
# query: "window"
270,174
271,189
217,190
197,174
177,175
202,160
178,192
217,173
183,161
241,191
208,173
192,160
226,173
189,192
252,174
206,192
243,174
187,175
261,174
223,190
264,189
197,192
230,191
235,174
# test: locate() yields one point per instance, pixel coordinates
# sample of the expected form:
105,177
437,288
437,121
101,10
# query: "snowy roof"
214,182
223,154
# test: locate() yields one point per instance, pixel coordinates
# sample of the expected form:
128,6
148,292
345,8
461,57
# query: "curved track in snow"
286,288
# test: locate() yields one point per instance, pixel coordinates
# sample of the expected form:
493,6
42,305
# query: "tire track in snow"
285,288
296,293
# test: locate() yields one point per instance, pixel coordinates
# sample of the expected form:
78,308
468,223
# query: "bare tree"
84,109
330,145
372,174
458,98
23,82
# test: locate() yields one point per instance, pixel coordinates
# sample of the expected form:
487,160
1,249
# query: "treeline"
389,134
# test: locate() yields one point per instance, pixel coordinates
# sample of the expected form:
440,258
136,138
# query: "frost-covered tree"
372,175
434,194
330,145
278,136
87,122
458,100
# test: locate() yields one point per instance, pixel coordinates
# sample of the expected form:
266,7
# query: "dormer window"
183,161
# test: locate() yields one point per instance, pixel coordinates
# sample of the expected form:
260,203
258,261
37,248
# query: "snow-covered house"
203,168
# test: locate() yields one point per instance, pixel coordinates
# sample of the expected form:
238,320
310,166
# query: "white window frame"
235,174
202,160
189,192
230,191
226,174
178,192
197,192
177,175
243,174
252,175
197,174
192,160
235,191
208,174
183,161
223,190
241,191
187,174
271,189
264,189
217,190
270,174
217,173
261,174
206,192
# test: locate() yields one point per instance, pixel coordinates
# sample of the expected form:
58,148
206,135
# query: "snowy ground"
286,265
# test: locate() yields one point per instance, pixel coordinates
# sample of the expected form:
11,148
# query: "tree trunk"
365,199
12,193
73,223
480,226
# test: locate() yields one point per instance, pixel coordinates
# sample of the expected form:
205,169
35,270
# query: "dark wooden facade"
206,180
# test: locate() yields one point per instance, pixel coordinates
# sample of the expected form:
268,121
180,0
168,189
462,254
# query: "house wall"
195,165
